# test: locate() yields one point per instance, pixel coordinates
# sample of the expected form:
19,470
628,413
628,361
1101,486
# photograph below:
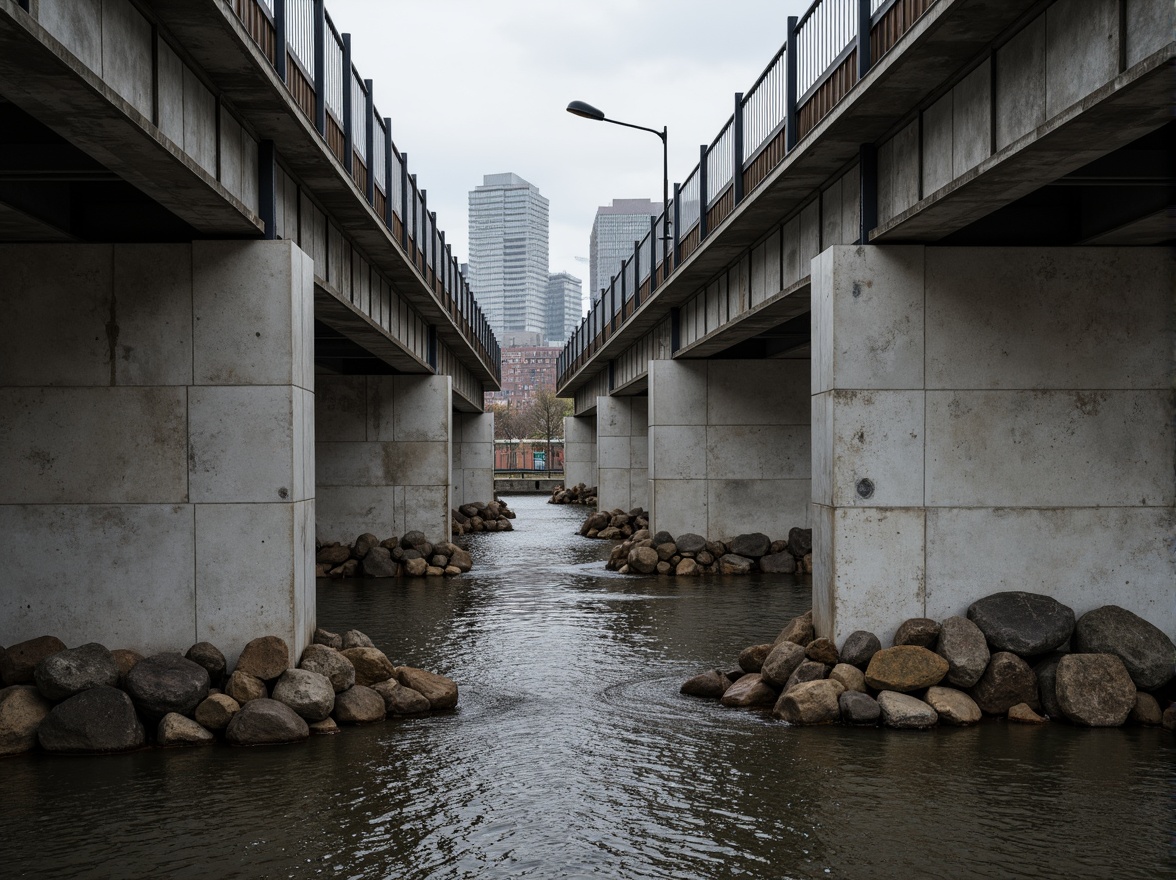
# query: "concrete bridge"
920,297
230,323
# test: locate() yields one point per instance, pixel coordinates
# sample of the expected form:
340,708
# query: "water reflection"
572,754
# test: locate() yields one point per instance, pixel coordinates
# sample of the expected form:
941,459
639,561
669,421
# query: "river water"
573,755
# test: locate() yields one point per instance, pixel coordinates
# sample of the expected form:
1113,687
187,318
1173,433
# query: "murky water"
572,755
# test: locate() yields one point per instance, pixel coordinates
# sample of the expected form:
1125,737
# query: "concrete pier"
622,452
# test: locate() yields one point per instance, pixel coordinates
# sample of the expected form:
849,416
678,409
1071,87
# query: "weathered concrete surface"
580,451
1002,436
622,452
473,458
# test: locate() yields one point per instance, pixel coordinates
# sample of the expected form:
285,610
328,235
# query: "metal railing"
314,61
826,51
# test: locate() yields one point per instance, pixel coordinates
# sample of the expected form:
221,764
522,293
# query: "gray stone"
643,560
752,546
325,661
822,651
18,661
859,648
921,631
750,690
711,685
732,563
217,711
666,552
399,700
663,537
440,691
167,683
266,658
327,638
266,722
175,730
858,709
850,677
1145,650
799,630
461,560
332,555
1169,718
807,671
1027,624
326,727
778,563
1046,671
800,542
963,646
371,665
210,657
1146,710
308,693
1008,680
244,688
905,668
359,705
687,568
378,563
781,662
1095,690
415,567
752,659
904,712
364,545
952,706
22,709
101,719
74,670
353,638
414,540
810,702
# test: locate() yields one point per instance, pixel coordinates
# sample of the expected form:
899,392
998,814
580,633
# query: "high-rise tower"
614,230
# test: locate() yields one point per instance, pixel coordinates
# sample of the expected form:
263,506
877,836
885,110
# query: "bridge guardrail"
314,61
826,51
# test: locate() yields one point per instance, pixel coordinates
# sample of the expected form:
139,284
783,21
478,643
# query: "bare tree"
512,422
547,417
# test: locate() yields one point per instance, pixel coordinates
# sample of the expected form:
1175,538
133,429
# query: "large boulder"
858,709
460,559
952,706
799,630
643,560
850,677
752,659
1046,671
266,658
210,657
440,691
1147,710
364,545
329,662
904,712
779,665
921,631
167,683
176,730
399,700
905,668
18,661
690,543
822,651
22,709
1008,680
266,722
245,688
359,705
308,693
732,563
753,546
74,670
963,646
327,638
778,563
859,648
125,659
371,665
101,719
1095,690
811,702
353,638
1028,624
378,563
800,542
217,711
1145,650
808,670
711,685
750,690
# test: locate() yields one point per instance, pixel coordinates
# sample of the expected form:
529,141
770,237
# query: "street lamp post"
587,111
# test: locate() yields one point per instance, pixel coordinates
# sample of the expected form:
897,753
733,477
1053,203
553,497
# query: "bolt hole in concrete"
573,754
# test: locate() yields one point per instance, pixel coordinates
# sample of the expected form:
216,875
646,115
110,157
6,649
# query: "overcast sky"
478,87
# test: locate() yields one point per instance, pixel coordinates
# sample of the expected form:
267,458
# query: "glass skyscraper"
564,295
614,230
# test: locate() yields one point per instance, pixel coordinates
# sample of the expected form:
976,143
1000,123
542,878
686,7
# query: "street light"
587,111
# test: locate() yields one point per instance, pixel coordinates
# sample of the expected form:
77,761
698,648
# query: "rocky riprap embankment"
412,556
89,700
1007,658
577,494
482,516
689,555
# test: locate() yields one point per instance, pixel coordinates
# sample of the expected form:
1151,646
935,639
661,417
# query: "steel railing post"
790,67
737,148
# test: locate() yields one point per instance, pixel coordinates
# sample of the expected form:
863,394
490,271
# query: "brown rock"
266,722
415,567
664,568
1147,710
18,661
710,685
807,671
333,554
781,662
1169,719
1095,690
850,677
1008,680
326,727
798,630
217,711
244,687
750,690
810,702
687,568
328,638
905,668
1024,715
358,705
952,706
371,665
175,730
921,631
642,560
752,659
399,700
440,691
22,709
265,658
461,559
331,663
904,712
822,651
125,659
964,648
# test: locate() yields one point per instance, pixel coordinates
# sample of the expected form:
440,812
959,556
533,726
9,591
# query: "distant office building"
508,253
521,339
565,293
526,370
614,230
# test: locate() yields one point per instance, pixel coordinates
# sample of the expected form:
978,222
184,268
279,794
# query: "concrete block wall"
622,452
157,444
729,446
1012,410
580,450
473,458
383,456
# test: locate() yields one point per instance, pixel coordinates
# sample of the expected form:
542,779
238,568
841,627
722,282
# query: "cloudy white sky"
478,87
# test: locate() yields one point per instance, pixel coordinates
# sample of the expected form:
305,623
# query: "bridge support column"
622,452
383,456
580,451
990,419
473,458
156,444
729,446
